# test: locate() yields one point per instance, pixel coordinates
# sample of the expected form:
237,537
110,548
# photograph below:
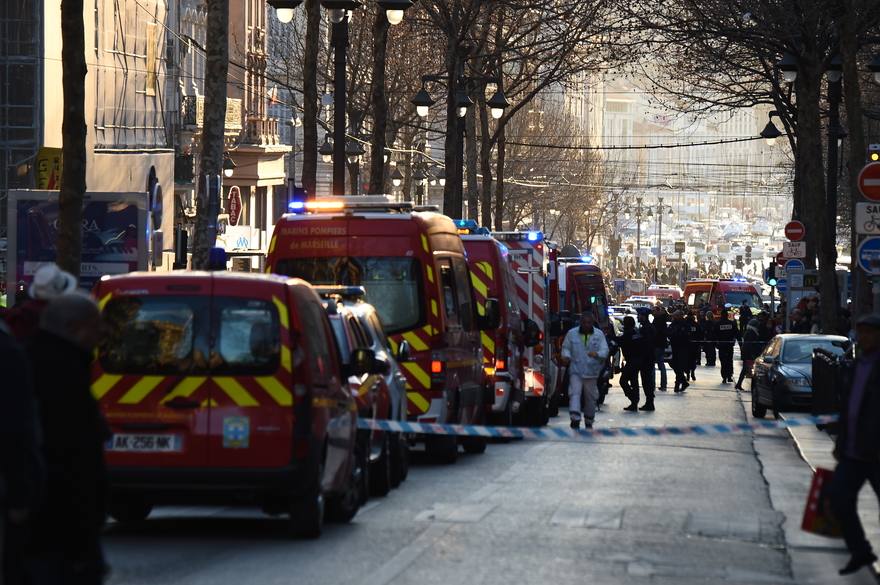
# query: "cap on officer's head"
871,319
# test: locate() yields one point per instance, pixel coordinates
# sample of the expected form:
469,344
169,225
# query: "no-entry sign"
869,181
794,230
780,259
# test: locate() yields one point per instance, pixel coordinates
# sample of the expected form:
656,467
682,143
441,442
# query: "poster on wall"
114,231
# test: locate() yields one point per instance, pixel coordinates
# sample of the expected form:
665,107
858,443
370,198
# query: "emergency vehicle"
226,387
492,277
718,294
530,256
413,267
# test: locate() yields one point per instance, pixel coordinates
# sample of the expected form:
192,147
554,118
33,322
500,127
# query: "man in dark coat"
726,334
708,325
630,343
65,544
695,347
649,344
22,472
679,333
661,320
749,350
857,449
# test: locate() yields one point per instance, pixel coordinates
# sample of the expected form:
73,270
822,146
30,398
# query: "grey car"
782,378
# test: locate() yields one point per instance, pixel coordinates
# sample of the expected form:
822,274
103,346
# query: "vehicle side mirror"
491,319
567,323
532,333
769,360
363,361
555,326
403,351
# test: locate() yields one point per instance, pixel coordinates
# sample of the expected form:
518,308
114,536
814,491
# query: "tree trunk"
379,103
73,132
214,126
310,99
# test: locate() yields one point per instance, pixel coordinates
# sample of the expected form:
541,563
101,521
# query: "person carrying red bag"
857,449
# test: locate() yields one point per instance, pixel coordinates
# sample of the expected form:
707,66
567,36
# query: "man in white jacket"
584,352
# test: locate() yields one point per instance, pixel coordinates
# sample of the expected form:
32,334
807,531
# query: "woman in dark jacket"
750,350
630,342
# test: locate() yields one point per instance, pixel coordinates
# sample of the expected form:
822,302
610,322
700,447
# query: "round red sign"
234,205
780,260
869,181
794,230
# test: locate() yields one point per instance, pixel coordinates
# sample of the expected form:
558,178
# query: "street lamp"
338,11
326,150
453,198
660,210
229,167
770,132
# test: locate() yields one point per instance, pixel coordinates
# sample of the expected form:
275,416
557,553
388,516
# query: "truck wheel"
534,412
380,470
448,454
554,405
127,509
758,410
307,510
343,507
399,458
474,445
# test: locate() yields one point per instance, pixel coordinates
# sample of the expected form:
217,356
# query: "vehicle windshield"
736,297
801,350
393,284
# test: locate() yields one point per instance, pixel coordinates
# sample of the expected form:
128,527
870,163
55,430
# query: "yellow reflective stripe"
285,358
185,388
393,345
489,344
420,374
486,267
209,402
140,390
430,274
236,391
102,385
368,383
424,242
325,402
434,307
103,301
276,390
414,341
282,312
272,244
419,401
478,284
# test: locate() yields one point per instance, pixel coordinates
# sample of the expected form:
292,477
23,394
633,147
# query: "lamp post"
339,14
458,86
661,208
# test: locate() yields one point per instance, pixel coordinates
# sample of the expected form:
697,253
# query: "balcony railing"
263,131
192,112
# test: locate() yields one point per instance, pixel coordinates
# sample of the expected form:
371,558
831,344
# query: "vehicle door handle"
183,404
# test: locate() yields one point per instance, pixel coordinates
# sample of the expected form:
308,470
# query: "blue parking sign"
782,285
868,251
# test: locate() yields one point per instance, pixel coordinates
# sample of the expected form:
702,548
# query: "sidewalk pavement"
815,559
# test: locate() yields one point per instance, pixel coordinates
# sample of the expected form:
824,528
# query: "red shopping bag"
819,516
750,368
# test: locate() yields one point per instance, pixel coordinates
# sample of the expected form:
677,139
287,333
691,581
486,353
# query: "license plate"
145,443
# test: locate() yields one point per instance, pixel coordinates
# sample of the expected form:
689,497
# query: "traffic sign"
679,247
781,260
794,230
869,181
868,254
794,249
782,285
867,218
794,264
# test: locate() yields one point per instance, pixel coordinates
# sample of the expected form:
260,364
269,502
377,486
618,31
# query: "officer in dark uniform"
679,333
726,334
708,325
630,342
649,344
695,347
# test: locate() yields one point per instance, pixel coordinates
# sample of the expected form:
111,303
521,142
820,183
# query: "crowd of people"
52,478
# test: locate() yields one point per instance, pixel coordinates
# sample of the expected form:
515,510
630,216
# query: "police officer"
708,325
694,349
630,342
679,333
726,334
649,344
661,320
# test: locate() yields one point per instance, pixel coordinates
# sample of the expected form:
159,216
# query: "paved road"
699,509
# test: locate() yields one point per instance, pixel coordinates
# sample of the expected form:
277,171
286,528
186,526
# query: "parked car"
782,376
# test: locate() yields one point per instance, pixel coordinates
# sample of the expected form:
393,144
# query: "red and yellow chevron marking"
481,281
417,403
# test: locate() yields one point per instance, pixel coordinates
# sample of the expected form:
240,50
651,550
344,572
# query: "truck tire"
534,412
554,405
448,453
380,470
342,507
307,510
474,445
399,458
126,509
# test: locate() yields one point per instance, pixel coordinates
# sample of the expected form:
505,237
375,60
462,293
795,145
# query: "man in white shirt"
584,352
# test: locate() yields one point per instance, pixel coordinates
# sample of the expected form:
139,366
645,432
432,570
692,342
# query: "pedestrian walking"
857,449
648,348
708,325
745,315
661,321
766,328
22,472
726,334
749,350
49,282
584,351
696,345
64,547
630,342
679,333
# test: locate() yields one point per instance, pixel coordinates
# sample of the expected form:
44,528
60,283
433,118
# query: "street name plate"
794,249
867,218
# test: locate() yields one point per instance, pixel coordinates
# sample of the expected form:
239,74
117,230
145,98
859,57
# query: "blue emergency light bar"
296,205
534,236
586,259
